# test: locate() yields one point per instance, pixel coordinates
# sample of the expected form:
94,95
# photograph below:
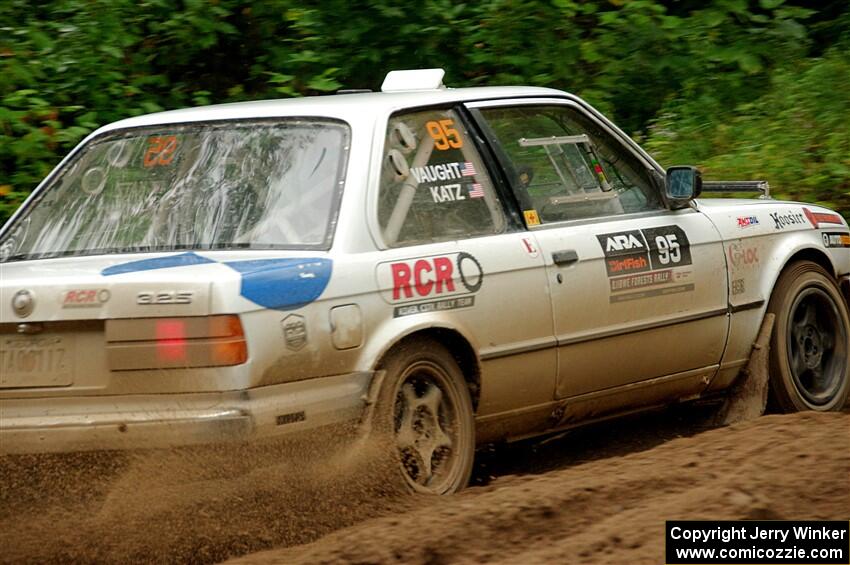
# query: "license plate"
33,361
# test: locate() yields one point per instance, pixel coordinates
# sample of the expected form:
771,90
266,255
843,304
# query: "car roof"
348,107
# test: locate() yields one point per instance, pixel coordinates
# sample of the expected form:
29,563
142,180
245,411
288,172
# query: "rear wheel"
425,411
809,367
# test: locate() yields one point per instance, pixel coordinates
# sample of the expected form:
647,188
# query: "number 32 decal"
160,151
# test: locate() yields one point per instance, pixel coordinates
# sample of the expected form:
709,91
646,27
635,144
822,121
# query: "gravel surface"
596,495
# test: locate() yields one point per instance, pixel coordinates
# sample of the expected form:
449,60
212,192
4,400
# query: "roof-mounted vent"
419,79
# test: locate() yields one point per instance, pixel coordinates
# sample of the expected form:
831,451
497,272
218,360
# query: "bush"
72,65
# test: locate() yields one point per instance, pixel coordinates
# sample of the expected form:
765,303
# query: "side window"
564,166
434,185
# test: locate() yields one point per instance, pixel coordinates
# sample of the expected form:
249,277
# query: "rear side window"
434,184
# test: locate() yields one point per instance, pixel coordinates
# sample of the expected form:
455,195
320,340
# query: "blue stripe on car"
283,284
180,260
280,284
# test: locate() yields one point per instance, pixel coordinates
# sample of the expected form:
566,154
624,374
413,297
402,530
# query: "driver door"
638,292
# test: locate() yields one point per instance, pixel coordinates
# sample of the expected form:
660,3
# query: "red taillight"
163,343
170,340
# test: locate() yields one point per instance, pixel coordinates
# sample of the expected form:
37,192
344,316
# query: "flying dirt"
594,495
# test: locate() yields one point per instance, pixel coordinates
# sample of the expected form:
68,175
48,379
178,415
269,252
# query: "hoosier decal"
782,221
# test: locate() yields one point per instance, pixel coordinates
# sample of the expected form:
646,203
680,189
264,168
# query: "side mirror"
682,185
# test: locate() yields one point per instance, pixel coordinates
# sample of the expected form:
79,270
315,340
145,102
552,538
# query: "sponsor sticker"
836,239
747,221
434,306
741,255
431,278
531,217
649,249
738,287
85,298
782,220
529,247
294,331
640,259
663,291
631,282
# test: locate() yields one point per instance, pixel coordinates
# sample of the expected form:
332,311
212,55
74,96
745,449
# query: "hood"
736,218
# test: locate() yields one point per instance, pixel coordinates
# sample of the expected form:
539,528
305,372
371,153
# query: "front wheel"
425,411
809,363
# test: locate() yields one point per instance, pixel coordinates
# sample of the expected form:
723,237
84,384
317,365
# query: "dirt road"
598,495
612,510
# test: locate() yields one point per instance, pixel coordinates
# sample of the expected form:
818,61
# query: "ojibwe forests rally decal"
646,263
430,284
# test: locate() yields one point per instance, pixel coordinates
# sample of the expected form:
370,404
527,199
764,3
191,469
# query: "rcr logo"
85,297
621,242
425,277
146,298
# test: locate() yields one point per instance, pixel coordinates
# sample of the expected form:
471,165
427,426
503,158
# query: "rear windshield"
224,185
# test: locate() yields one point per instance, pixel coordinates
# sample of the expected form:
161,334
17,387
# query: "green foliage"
703,73
794,132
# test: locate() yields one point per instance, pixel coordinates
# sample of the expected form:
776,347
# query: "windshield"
256,184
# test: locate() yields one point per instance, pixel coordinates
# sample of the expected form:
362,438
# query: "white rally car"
459,266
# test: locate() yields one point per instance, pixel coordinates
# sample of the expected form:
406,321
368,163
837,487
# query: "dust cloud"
198,505
599,494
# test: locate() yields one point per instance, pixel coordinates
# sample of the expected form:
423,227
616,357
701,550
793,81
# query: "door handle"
565,257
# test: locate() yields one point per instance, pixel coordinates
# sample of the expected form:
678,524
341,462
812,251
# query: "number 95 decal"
668,246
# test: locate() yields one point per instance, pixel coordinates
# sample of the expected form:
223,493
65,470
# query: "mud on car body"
451,267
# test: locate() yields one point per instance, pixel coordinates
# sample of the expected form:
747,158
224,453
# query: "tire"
424,411
810,347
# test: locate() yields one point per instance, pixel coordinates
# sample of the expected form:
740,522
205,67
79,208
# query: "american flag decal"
467,169
476,191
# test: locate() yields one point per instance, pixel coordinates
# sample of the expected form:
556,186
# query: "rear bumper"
44,425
